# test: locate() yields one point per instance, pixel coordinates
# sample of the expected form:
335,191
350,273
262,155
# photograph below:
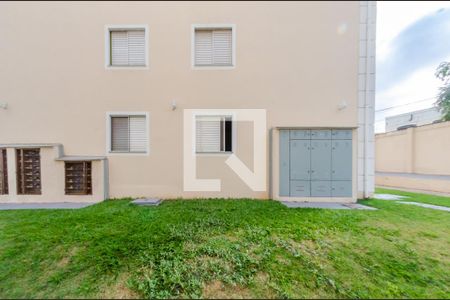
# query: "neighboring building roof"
418,117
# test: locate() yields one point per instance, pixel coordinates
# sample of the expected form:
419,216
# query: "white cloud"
395,16
392,18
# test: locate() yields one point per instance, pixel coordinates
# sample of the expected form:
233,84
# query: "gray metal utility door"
300,159
321,188
315,163
284,163
320,159
341,159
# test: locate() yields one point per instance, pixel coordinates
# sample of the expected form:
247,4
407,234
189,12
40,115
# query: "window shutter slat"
203,47
222,47
120,134
136,48
138,134
208,138
128,48
119,48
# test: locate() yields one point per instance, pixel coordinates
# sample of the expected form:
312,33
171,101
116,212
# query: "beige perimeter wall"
420,150
298,60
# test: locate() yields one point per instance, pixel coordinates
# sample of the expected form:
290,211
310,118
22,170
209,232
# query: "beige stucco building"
187,99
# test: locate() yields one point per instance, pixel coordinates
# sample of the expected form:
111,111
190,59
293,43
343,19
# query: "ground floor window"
78,178
3,173
128,133
28,163
214,134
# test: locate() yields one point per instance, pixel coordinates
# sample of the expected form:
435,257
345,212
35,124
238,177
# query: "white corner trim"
110,114
110,27
233,46
366,97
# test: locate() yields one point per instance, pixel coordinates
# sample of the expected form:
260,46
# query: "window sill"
109,67
29,194
116,153
211,68
228,153
78,194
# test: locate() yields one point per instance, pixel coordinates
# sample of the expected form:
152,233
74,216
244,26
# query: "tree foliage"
443,98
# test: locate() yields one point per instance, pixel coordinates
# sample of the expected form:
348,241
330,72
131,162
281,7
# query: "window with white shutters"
213,134
213,47
127,47
129,134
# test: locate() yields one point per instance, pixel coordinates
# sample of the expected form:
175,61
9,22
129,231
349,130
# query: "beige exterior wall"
415,184
420,150
298,60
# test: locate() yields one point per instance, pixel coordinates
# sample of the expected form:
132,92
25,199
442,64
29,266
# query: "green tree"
443,99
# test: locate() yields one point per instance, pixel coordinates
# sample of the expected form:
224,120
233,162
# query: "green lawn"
225,248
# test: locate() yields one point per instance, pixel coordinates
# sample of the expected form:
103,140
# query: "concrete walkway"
437,207
57,205
434,193
389,197
327,205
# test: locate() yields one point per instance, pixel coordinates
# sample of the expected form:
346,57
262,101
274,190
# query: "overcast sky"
412,39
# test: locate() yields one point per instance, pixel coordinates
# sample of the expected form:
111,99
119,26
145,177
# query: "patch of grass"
225,249
415,197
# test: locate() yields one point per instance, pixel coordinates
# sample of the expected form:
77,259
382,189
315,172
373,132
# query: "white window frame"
110,115
212,27
108,29
233,130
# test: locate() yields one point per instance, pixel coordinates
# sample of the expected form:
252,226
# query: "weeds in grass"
242,248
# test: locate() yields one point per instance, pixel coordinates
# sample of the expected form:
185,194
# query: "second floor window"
127,47
213,47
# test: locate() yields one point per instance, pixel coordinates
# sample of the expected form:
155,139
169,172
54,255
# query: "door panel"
321,134
300,188
300,159
284,163
341,134
341,188
341,157
320,188
300,134
320,160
